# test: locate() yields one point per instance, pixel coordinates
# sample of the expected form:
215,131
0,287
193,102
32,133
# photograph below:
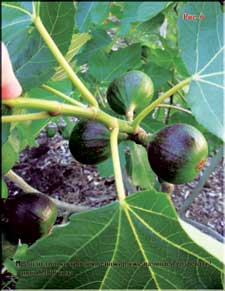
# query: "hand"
11,87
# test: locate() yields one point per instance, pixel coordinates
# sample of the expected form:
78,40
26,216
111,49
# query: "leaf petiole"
62,95
70,110
62,61
29,189
158,101
116,164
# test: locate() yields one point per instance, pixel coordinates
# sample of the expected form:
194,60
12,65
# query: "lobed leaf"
32,60
139,244
90,13
139,12
202,49
106,68
99,40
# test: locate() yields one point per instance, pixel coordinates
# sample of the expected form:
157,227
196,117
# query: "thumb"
11,87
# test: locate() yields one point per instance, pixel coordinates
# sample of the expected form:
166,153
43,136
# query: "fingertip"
11,87
11,90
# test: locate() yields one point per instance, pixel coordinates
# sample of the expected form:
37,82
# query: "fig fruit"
133,90
89,142
29,216
177,153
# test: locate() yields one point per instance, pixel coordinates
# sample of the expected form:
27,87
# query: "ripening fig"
29,216
133,90
177,153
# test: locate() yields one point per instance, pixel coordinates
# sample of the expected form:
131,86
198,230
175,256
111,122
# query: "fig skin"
89,142
177,153
29,216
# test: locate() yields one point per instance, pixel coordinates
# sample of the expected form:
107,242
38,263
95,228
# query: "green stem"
25,117
155,103
62,61
130,113
62,95
178,92
100,97
116,164
166,187
71,110
29,189
175,107
36,8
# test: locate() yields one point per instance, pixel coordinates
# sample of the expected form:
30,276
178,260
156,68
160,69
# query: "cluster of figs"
176,153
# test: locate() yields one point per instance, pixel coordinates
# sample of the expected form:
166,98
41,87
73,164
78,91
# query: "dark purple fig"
89,142
177,153
29,216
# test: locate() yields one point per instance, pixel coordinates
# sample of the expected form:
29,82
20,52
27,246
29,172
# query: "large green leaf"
150,26
89,13
105,67
202,49
159,75
32,60
135,245
139,12
99,40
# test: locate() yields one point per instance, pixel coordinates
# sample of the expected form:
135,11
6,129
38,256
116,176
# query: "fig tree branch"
25,117
29,189
62,61
67,109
